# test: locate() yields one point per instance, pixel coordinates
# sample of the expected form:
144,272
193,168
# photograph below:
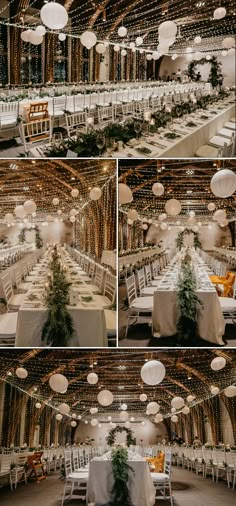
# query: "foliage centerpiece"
120,468
130,439
186,291
58,329
181,235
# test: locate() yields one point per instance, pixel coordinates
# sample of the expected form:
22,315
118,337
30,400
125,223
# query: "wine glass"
57,137
100,142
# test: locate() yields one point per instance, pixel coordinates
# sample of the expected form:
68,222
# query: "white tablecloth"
101,480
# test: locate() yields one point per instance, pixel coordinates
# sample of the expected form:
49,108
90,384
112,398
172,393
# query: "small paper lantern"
219,13
59,417
30,206
173,410
94,422
105,398
132,419
190,398
230,391
174,419
143,397
73,424
21,372
124,407
54,15
74,192
64,408
223,183
143,423
123,52
88,39
198,39
153,372
144,226
208,57
132,214
139,41
95,193
163,226
189,56
158,189
113,425
219,215
153,408
73,415
35,38
211,206
55,202
100,48
58,383
125,194
132,45
127,425
41,30
38,405
195,228
9,218
62,37
92,378
192,214
228,42
162,217
185,410
25,35
122,31
173,207
124,416
116,48
218,363
177,402
215,390
158,418
93,411
167,29
149,57
72,219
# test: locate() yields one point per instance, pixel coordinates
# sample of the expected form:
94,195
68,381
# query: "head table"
100,482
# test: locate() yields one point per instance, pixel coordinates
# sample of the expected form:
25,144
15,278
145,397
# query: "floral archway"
181,235
38,238
130,439
215,75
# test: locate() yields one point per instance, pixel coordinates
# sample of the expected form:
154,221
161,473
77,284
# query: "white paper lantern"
211,206
21,372
95,193
62,37
158,418
109,418
224,52
73,424
192,214
59,417
198,56
190,398
54,16
219,13
143,423
73,212
153,408
41,30
174,419
158,189
132,419
35,38
132,214
64,408
144,226
92,378
20,212
127,425
139,41
230,391
132,45
73,415
124,52
124,407
162,217
72,219
122,31
116,48
113,425
173,207
228,42
177,402
208,57
215,390
125,194
185,410
30,206
100,48
38,405
58,383
223,183
189,50
167,29
198,39
9,218
195,228
220,215
25,35
124,416
93,411
173,410
105,398
218,363
189,57
163,226
74,192
231,50
153,372
88,39
94,422
143,397
149,57
55,202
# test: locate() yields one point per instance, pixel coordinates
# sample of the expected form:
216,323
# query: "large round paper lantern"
167,29
177,402
198,39
127,425
55,201
185,410
88,39
215,390
230,391
64,408
163,226
158,189
59,417
153,408
190,398
123,52
95,193
218,363
73,424
211,206
21,372
74,192
143,397
223,183
100,48
92,378
125,194
41,30
30,207
9,218
122,31
124,416
124,407
38,405
73,212
35,38
25,35
219,13
173,207
105,398
54,15
94,422
228,42
58,383
93,411
139,41
20,212
158,418
153,372
62,37
219,215
174,419
116,48
132,214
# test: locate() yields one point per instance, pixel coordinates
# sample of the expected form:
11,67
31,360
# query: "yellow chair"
158,462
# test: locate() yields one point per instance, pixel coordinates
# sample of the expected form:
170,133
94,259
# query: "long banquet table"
100,482
211,324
